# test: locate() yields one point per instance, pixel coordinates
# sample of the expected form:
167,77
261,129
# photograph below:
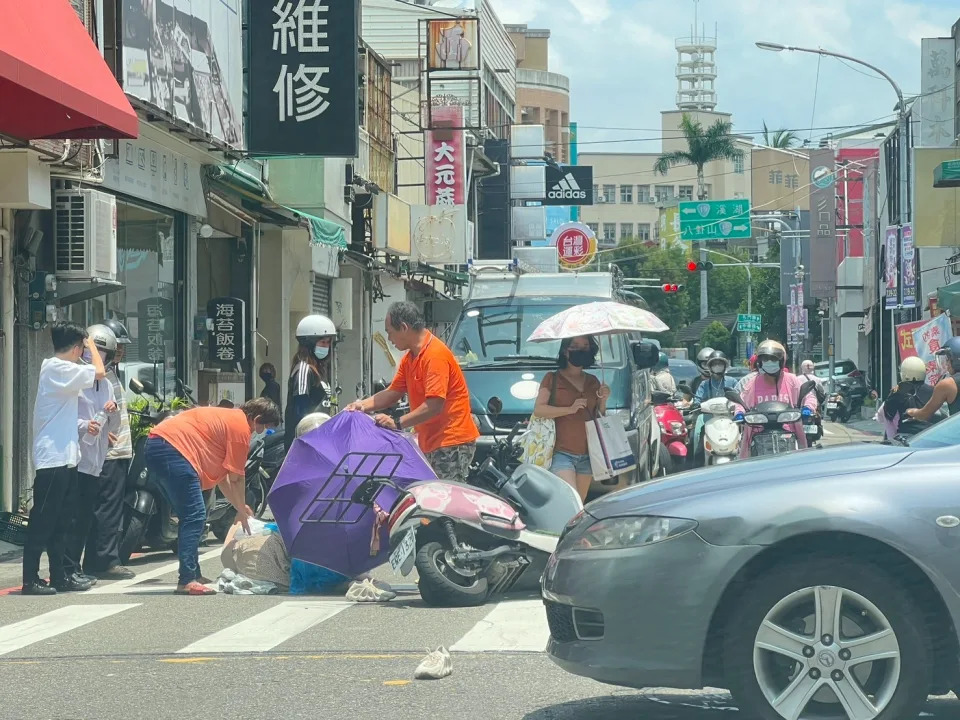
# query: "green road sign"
715,220
748,323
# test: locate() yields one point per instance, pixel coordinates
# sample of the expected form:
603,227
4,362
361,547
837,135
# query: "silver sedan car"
820,584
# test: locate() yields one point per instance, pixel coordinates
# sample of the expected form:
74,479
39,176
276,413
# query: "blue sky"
620,57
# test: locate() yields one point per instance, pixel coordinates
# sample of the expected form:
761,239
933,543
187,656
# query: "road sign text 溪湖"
715,220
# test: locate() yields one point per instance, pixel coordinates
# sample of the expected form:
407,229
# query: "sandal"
194,588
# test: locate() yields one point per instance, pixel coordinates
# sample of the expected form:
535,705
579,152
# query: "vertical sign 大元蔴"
226,323
304,89
445,157
891,285
908,268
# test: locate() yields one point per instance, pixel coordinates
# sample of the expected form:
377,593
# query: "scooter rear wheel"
132,534
439,589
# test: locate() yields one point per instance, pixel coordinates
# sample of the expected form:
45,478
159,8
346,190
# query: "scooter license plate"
810,429
831,406
402,552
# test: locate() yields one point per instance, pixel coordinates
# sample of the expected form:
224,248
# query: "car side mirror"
734,397
494,406
645,354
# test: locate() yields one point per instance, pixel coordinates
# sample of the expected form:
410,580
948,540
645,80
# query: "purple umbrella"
311,497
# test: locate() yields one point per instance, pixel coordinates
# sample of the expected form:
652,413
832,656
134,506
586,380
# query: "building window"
686,192
707,191
596,194
664,193
643,193
610,232
594,228
738,165
626,194
626,230
610,193
643,232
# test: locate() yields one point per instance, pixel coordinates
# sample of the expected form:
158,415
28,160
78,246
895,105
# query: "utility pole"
704,305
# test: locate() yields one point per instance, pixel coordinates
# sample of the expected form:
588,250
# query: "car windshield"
498,334
944,434
683,371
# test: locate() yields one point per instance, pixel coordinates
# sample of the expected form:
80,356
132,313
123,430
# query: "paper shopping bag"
609,448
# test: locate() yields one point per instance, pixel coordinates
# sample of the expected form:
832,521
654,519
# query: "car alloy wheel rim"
826,652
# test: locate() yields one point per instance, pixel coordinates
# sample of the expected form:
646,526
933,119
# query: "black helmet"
951,350
718,359
119,331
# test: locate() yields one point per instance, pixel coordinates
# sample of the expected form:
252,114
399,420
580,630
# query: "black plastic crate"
13,528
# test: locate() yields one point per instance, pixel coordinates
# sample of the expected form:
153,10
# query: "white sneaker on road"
367,591
435,666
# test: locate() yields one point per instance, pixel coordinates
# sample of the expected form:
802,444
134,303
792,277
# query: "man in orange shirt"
439,400
194,451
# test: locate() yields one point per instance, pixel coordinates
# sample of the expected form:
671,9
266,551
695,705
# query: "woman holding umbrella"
571,397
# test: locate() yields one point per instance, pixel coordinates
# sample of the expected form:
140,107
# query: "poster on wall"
922,339
445,157
453,44
186,58
908,268
226,323
303,76
891,286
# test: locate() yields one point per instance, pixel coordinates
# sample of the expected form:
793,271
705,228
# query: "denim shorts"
567,461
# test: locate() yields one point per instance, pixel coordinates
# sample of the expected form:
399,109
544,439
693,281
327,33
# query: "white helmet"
315,326
913,368
807,367
104,338
311,422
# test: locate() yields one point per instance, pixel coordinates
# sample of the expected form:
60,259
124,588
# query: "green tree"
779,138
703,146
715,335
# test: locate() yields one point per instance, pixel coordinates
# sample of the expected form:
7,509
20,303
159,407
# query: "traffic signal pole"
704,304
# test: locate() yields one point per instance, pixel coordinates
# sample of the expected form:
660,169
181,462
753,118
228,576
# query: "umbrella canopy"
311,498
597,318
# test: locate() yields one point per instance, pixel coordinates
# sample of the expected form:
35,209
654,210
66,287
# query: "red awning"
54,83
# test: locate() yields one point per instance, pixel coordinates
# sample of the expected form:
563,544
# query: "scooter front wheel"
442,585
131,537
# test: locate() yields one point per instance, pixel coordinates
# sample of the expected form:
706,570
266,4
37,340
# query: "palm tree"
703,146
781,139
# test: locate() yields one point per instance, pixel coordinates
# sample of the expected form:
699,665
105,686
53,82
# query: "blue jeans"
580,464
181,484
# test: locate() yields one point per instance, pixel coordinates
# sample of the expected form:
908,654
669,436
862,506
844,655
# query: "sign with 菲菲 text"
715,220
445,167
304,91
226,329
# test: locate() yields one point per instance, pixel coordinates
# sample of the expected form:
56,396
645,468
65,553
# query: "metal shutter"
321,296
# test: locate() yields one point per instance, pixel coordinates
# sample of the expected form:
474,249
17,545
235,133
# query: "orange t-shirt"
213,440
435,373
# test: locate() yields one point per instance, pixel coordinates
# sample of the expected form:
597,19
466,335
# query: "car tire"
802,581
438,590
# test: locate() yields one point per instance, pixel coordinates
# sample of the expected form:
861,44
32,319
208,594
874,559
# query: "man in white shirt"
97,419
56,453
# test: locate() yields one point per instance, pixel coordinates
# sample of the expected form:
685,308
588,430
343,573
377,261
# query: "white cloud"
905,22
518,12
593,12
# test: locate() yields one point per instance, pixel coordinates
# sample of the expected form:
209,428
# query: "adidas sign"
567,189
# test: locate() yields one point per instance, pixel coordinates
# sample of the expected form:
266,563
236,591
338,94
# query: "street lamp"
903,131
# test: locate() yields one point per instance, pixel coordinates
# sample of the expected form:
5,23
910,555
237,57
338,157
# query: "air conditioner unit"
85,232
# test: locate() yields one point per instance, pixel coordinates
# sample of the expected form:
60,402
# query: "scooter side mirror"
494,406
734,397
148,387
136,386
685,389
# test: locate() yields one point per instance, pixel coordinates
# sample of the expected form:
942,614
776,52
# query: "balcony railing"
543,79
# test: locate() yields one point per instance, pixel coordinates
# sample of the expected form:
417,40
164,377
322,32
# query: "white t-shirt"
55,413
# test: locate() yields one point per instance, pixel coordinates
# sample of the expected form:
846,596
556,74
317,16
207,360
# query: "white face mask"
770,367
321,352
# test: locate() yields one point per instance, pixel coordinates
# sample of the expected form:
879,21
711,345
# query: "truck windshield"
498,333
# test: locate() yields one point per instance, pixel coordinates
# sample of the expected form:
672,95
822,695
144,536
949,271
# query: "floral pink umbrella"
597,318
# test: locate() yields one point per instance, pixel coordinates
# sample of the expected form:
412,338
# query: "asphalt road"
131,650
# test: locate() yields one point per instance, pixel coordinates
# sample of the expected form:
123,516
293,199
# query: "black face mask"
580,358
266,376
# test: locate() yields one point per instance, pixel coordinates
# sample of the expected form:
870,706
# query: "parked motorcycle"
721,433
770,420
673,432
468,543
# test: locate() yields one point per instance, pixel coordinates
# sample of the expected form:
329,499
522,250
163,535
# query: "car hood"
804,464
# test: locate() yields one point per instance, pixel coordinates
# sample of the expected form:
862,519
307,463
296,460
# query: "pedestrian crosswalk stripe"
511,626
267,629
42,627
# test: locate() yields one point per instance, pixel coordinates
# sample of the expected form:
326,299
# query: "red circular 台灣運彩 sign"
576,244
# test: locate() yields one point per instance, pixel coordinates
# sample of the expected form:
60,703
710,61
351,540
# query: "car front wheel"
827,638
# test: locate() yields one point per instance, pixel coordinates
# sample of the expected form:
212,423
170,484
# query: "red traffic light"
692,266
695,266
671,287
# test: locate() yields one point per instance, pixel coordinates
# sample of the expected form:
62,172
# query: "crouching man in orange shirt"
194,451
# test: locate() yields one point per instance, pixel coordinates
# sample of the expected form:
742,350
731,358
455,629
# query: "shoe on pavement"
366,591
435,666
37,587
71,584
117,572
84,578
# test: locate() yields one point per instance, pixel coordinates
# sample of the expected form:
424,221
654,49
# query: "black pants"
53,490
103,540
81,518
